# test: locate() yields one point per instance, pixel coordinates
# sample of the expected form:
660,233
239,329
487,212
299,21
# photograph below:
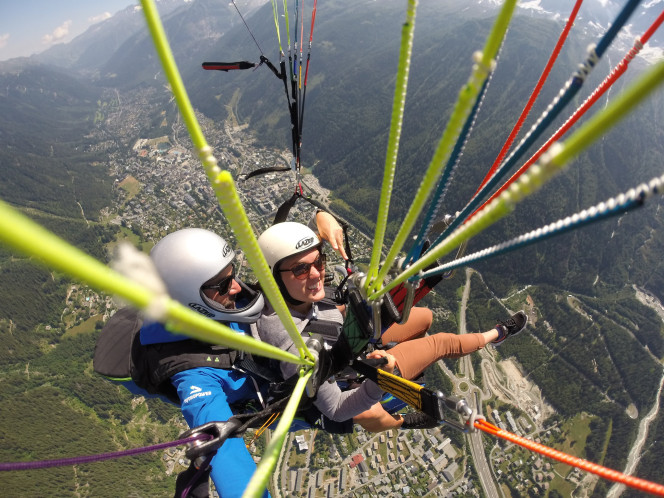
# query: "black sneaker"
418,420
512,326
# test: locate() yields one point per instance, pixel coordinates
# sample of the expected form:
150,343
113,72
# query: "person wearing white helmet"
295,256
301,285
197,267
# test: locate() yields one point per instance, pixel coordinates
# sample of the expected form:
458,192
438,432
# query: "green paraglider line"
396,122
23,234
224,188
534,94
275,14
562,99
552,163
268,462
611,78
221,181
467,97
632,199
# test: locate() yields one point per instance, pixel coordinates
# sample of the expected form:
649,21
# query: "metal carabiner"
220,431
408,302
460,406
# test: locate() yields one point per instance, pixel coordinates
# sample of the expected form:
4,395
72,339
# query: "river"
635,453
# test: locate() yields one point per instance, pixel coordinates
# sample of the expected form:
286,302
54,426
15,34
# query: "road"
282,467
475,439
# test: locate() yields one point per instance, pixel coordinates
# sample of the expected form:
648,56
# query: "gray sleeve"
341,405
331,401
270,330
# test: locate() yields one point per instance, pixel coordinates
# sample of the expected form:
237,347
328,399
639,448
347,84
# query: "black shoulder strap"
260,368
284,209
328,329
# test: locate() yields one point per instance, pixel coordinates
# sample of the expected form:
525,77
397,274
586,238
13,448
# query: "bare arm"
330,230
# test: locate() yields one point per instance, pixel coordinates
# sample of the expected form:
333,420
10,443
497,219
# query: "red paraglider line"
613,76
533,95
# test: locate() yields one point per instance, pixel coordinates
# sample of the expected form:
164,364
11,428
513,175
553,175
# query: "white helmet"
188,258
285,239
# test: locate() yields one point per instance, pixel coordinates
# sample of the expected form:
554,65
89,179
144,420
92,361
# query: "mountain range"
50,103
93,48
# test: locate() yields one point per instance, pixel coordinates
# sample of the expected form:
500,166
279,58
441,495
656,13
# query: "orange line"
605,472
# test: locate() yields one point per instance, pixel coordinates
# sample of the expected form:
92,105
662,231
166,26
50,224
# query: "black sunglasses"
224,285
301,270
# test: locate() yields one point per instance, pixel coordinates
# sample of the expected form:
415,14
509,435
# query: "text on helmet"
305,242
200,309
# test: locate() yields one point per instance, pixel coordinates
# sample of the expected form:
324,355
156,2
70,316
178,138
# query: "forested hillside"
55,168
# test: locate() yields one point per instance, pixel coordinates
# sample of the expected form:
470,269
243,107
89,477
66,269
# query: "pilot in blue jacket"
197,267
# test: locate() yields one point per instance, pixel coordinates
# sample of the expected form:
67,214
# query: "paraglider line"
565,96
247,26
63,462
632,199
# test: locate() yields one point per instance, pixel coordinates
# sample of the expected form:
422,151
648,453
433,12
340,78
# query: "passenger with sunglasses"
295,255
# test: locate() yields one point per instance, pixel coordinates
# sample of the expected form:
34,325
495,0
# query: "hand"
391,360
330,230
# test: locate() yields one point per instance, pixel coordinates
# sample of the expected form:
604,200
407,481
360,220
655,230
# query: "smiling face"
309,286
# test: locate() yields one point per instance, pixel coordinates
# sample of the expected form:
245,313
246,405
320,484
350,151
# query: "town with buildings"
162,187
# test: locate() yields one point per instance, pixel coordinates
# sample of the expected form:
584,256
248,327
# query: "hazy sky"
31,26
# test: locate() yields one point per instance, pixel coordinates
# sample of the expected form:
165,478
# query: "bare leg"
414,353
